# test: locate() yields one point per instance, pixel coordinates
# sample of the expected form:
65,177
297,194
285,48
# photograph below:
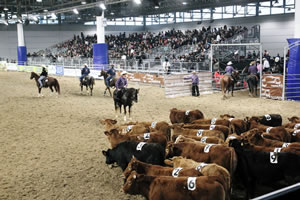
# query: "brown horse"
228,82
112,81
48,82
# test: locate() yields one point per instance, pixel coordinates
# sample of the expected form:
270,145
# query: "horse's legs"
87,89
109,90
81,88
124,113
129,111
91,88
232,87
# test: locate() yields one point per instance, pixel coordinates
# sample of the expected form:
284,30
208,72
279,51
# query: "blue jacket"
85,71
111,72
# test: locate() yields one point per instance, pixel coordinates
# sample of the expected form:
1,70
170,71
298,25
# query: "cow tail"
57,86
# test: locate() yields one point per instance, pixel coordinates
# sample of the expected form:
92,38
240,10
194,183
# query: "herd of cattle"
199,158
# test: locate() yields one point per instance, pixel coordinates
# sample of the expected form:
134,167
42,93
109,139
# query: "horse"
227,82
252,82
128,96
89,82
112,82
47,82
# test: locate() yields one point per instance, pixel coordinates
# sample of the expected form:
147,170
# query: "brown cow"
278,133
221,128
124,129
182,116
204,139
157,170
178,130
292,125
214,121
237,126
255,137
207,169
116,138
294,119
180,188
210,153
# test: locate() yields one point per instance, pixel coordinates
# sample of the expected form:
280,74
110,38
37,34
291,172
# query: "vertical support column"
100,50
297,19
260,70
22,51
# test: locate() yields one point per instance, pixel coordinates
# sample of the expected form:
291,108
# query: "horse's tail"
57,86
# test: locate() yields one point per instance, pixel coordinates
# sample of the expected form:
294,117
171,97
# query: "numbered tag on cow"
203,139
153,124
191,182
146,136
129,128
297,126
207,148
230,119
274,157
231,137
175,172
285,145
187,112
277,150
201,166
213,121
268,129
200,133
295,132
268,117
212,127
140,146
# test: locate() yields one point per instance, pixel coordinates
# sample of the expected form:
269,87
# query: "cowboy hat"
229,63
277,59
85,64
194,72
123,72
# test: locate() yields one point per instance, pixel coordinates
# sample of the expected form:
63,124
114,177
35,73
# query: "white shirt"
266,64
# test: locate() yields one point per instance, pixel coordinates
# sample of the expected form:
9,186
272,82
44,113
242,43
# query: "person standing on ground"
195,83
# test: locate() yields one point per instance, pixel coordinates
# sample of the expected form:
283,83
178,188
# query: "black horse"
112,83
252,82
127,97
89,82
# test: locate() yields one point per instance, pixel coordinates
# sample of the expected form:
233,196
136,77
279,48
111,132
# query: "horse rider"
85,71
112,73
43,75
252,70
121,84
229,69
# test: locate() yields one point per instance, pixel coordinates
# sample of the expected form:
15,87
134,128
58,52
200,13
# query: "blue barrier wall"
100,56
293,73
22,55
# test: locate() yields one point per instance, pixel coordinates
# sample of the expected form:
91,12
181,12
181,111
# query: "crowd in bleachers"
141,45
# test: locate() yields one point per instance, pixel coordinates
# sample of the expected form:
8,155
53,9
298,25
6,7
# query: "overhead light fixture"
112,13
5,9
102,6
184,3
137,2
156,7
75,11
83,2
45,10
39,1
79,18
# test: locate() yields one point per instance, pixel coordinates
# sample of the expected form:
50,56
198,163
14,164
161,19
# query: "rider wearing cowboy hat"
84,72
121,84
229,69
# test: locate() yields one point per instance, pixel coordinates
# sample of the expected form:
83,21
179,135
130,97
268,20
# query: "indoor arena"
149,99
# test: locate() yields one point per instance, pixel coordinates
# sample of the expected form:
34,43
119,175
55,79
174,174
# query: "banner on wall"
3,66
60,70
24,68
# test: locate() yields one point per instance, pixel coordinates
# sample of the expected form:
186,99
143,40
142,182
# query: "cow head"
111,132
236,144
294,119
132,185
109,158
226,116
132,166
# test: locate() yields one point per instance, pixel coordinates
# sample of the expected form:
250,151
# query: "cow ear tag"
134,176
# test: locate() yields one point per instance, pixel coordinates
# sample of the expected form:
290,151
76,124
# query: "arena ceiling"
88,9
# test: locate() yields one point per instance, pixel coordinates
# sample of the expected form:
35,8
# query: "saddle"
44,82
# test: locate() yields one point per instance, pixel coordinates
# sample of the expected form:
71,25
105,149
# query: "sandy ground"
50,148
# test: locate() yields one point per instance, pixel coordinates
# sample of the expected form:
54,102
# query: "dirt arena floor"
50,148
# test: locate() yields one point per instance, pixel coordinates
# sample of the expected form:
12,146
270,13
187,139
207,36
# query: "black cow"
146,152
271,120
256,167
